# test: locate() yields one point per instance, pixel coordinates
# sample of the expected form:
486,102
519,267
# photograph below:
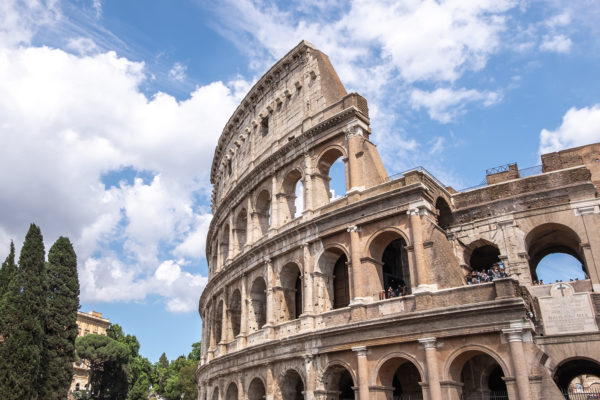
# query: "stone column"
309,390
418,249
363,372
307,281
520,367
250,223
274,203
225,336
211,341
271,317
204,338
307,184
356,272
354,136
431,362
244,317
270,389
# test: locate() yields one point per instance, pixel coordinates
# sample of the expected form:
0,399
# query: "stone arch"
290,278
475,372
214,267
387,248
396,355
257,389
232,392
219,322
235,312
444,213
552,238
570,368
240,226
335,290
215,395
339,381
292,385
287,206
258,304
400,376
321,183
482,255
262,205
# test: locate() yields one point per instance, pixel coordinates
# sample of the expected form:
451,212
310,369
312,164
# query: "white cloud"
65,121
97,7
177,72
578,127
82,46
445,104
556,43
20,19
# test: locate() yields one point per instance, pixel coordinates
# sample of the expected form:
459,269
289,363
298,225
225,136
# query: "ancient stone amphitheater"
297,304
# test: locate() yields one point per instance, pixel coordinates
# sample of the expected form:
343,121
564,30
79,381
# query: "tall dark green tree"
62,303
21,352
8,274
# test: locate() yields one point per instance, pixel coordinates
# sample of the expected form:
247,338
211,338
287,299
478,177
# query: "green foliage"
108,360
24,315
116,332
8,274
196,352
61,320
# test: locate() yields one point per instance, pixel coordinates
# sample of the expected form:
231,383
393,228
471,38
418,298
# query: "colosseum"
381,293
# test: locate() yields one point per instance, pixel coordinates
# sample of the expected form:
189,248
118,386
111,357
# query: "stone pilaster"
431,361
515,342
363,372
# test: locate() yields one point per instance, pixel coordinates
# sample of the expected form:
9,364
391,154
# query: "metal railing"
501,168
523,173
419,168
584,394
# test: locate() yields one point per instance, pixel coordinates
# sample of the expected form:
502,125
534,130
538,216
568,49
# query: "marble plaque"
565,311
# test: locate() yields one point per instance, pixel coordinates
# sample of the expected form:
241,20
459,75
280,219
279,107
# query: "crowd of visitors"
483,276
394,290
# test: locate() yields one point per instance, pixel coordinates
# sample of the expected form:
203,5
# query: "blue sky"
110,111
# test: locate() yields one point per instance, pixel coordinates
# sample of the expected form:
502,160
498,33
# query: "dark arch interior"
232,392
298,297
338,380
395,266
291,281
570,370
341,287
293,387
218,322
235,310
482,374
406,382
258,298
256,391
484,258
346,384
444,213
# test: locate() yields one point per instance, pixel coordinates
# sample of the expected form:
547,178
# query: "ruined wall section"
274,112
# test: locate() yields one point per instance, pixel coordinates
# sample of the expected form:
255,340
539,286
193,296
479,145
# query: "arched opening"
235,311
330,182
215,258
263,211
241,224
444,213
396,274
401,377
299,201
291,197
225,244
232,392
219,322
579,375
341,286
484,258
293,386
552,240
77,387
480,376
256,390
258,306
339,383
215,395
291,283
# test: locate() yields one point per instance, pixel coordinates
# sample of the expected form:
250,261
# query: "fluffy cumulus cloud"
444,104
578,127
70,119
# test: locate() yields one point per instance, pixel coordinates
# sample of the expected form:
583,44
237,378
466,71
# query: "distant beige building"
87,323
384,293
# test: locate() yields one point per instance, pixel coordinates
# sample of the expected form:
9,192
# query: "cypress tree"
62,303
21,352
7,275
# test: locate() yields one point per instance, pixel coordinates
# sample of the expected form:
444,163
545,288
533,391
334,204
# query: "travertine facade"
87,323
294,307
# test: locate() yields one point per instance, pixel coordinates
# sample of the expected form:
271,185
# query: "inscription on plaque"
565,311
